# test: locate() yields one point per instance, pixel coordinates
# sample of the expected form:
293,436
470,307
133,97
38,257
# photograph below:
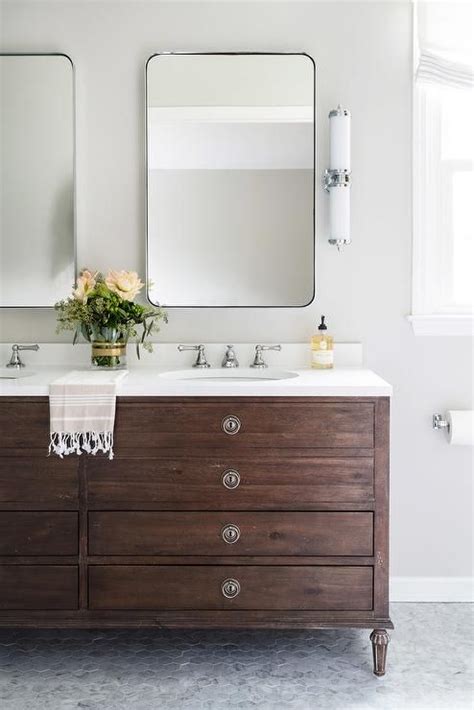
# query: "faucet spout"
230,359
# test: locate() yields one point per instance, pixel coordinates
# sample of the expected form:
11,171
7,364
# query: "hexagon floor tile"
429,667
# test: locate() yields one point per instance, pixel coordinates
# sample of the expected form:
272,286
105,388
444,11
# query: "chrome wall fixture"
337,178
440,422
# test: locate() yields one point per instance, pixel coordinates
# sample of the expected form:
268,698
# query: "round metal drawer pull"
231,478
230,588
231,424
230,534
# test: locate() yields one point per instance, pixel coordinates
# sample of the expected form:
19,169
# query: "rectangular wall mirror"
37,245
231,179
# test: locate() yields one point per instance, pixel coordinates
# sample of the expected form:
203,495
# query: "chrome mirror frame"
314,170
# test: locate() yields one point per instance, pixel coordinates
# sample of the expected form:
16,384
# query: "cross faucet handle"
15,360
201,356
258,360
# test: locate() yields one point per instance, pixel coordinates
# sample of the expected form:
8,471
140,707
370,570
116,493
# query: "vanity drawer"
230,533
273,424
25,534
262,482
39,482
38,587
204,587
24,425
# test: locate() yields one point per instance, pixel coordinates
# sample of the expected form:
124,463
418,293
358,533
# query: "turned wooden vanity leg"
379,639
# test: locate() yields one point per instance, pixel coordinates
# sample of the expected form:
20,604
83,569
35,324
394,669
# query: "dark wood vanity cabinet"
215,512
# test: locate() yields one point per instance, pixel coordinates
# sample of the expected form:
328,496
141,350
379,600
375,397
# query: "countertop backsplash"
166,355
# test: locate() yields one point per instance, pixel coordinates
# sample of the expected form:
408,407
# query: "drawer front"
268,425
230,533
24,425
39,482
38,533
230,587
233,481
38,587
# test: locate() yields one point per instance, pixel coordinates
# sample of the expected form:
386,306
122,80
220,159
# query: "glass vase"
108,349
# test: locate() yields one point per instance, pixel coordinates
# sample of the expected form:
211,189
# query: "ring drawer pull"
231,424
231,479
230,588
230,534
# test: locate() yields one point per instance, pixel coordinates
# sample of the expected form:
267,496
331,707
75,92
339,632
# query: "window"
443,170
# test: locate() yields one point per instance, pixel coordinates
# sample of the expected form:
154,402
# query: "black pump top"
322,325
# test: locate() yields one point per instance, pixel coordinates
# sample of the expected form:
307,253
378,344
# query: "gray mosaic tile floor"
429,667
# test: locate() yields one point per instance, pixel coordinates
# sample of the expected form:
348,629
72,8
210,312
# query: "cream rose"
126,284
85,284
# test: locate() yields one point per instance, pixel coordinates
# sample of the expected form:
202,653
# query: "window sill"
443,325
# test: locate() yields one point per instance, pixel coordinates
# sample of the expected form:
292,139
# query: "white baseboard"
432,589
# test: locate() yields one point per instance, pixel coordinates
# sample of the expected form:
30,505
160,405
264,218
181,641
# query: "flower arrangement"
102,310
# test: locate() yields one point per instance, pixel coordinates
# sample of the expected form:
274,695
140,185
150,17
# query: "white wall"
362,51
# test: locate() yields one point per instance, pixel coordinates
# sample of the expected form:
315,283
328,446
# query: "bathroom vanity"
217,511
238,503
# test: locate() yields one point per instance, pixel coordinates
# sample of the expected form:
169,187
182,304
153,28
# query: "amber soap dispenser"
322,348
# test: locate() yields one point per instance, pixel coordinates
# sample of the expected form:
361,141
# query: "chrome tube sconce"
337,179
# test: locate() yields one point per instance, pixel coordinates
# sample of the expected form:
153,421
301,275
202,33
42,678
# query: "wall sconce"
337,179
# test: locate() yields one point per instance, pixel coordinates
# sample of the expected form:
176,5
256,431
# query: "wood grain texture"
282,533
192,482
268,425
38,587
38,533
83,541
193,618
305,456
381,524
265,588
267,560
24,424
172,422
38,482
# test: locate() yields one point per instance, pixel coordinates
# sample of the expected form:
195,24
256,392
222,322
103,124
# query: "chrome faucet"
15,360
230,359
201,356
259,362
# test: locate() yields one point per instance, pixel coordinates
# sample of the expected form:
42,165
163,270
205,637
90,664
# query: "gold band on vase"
108,349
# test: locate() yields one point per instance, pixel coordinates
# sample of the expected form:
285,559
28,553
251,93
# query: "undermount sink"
238,374
10,373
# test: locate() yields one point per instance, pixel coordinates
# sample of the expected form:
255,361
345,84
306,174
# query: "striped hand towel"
82,412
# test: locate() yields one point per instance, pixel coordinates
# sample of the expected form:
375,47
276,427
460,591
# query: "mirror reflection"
230,147
36,179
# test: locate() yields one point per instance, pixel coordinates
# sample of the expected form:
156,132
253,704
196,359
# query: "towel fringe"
63,443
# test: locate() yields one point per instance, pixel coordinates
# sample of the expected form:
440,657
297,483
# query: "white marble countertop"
150,382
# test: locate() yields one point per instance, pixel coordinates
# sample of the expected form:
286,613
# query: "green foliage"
106,316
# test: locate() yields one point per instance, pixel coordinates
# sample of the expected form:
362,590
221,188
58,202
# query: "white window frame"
432,311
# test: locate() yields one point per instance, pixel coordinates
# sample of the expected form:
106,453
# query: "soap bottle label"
322,352
323,357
